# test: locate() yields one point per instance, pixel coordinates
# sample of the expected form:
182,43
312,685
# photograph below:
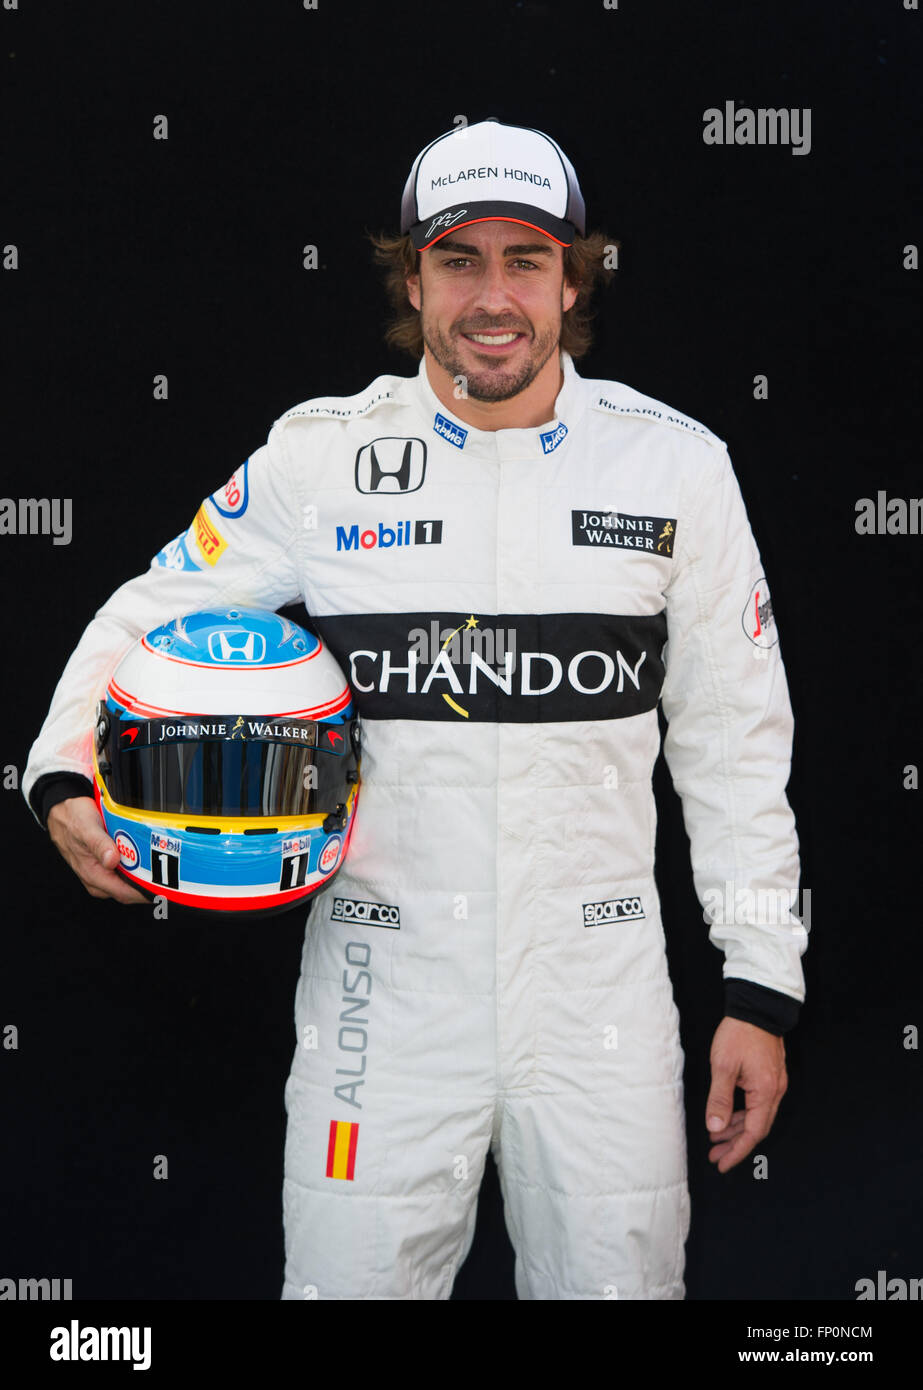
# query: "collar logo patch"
448,430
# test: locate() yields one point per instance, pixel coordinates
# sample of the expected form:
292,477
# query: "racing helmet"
226,762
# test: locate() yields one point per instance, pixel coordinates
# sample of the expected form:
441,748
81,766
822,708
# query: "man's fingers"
77,830
122,892
98,844
104,883
758,1116
727,1156
730,1130
725,1142
720,1105
749,1127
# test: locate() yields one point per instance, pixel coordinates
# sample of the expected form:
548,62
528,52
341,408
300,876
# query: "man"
497,551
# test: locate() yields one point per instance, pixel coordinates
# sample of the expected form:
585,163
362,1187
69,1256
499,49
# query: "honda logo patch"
391,465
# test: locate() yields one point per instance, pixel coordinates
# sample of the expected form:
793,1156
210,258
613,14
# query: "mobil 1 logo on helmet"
165,852
296,851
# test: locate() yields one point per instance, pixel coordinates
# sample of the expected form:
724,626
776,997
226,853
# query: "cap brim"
425,234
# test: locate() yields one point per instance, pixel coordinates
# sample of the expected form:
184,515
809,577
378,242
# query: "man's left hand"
749,1057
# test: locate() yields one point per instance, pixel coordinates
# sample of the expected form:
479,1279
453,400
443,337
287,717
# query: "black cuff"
54,787
757,1004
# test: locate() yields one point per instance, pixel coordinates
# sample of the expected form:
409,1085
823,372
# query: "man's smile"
498,341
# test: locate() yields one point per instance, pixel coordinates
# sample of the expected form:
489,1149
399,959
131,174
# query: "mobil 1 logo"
296,851
165,850
349,537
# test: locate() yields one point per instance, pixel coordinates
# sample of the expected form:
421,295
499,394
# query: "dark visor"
228,766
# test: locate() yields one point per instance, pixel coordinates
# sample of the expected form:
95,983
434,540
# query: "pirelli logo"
208,538
341,1150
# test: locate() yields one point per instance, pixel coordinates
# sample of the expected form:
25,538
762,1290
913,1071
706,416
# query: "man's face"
491,298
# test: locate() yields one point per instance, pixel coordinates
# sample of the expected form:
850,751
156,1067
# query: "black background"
290,127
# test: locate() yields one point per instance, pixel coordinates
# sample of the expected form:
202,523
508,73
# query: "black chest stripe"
509,667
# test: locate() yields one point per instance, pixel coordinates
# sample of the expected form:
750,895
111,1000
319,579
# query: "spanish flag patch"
341,1149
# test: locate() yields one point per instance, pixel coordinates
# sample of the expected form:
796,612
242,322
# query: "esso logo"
128,850
232,499
330,854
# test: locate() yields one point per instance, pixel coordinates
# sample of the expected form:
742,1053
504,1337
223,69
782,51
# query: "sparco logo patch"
450,431
552,438
391,464
613,910
758,621
423,533
373,914
623,531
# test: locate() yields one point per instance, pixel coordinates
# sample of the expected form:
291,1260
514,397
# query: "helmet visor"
229,765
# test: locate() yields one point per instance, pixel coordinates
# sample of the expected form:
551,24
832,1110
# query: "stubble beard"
495,381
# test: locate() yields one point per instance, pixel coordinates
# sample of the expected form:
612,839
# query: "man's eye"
466,260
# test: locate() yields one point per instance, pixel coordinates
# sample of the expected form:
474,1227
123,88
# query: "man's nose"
493,289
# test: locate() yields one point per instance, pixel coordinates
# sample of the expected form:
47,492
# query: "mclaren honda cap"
491,171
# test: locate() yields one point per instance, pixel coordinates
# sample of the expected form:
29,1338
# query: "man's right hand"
77,830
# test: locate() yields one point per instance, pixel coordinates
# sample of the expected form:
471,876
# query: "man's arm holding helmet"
728,747
240,548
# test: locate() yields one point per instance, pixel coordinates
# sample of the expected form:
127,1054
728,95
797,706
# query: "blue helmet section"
233,637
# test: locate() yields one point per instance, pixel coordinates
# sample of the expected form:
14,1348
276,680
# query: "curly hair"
585,269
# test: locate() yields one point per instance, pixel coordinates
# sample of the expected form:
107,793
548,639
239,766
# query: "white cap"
492,172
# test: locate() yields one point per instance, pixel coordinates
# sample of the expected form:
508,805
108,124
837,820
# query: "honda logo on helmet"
391,465
231,644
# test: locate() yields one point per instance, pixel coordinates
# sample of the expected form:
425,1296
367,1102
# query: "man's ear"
414,291
568,296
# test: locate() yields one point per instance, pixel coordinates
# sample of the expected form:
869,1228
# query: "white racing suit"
488,970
